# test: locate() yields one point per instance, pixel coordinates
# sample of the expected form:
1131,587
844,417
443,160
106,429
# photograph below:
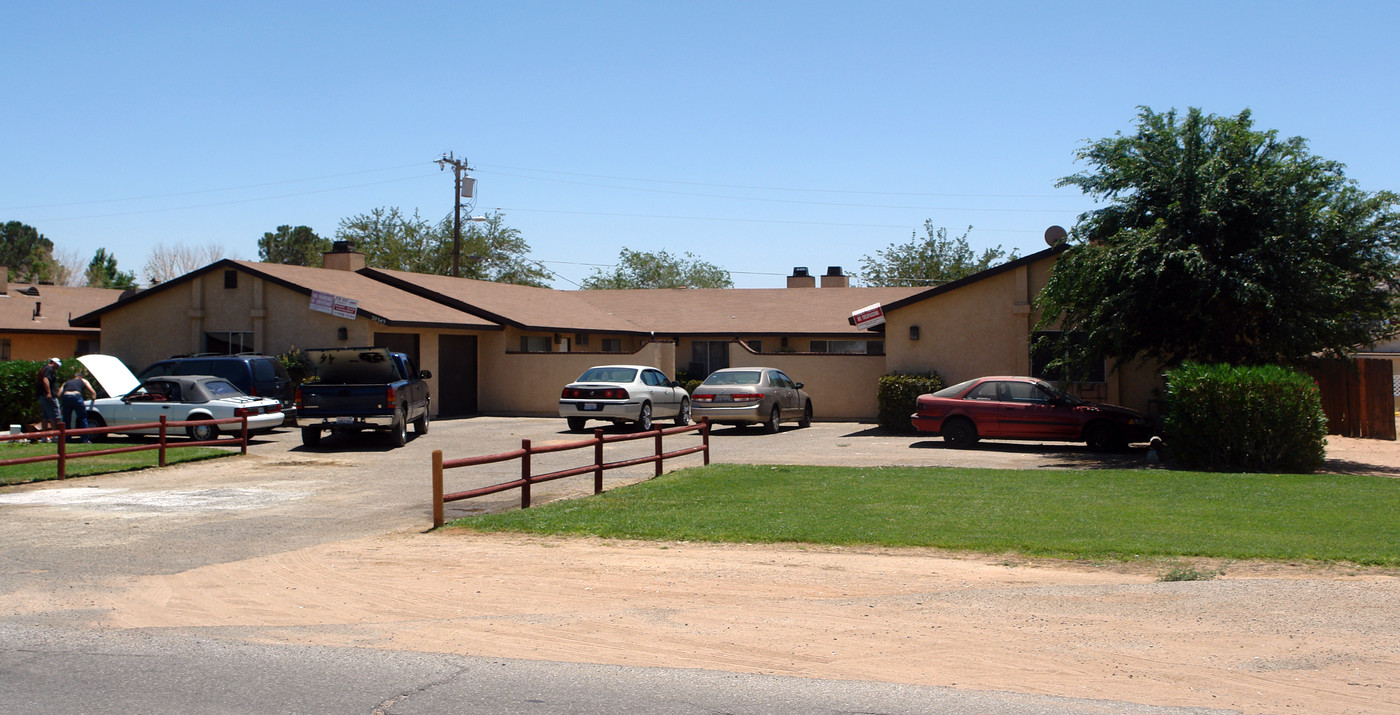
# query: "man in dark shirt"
48,395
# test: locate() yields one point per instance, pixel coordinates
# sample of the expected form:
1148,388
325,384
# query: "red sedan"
1025,408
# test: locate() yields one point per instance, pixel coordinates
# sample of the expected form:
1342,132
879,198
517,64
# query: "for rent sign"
335,305
868,317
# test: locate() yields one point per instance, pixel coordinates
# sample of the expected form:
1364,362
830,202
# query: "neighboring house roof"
975,277
377,301
56,304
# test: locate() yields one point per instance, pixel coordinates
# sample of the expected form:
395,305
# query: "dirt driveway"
329,547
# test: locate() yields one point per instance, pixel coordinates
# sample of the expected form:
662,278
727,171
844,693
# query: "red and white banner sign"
869,316
340,307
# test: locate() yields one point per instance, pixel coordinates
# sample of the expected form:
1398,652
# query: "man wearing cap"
48,395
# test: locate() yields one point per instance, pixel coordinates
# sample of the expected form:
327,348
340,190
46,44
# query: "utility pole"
458,166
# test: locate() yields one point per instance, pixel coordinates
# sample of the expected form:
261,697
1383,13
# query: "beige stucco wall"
842,387
980,329
174,321
516,383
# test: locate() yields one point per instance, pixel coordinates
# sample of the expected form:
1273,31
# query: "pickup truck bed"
357,389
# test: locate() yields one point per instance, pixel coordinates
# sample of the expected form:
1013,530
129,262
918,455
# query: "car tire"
576,424
959,433
202,432
644,418
806,420
775,420
95,420
1103,437
420,425
311,436
683,417
398,432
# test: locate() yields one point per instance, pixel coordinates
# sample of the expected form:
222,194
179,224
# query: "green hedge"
18,403
1223,418
898,395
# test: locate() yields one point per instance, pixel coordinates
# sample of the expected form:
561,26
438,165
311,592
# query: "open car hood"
110,373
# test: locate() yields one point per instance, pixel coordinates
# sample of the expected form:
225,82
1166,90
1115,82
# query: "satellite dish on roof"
1055,235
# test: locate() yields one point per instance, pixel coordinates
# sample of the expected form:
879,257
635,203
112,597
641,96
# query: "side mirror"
798,384
424,374
675,383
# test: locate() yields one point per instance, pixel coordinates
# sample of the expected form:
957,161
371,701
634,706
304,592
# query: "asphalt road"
282,497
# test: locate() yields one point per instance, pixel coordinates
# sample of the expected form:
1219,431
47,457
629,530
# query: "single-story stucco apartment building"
505,349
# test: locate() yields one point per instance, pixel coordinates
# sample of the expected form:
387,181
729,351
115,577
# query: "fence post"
162,440
437,488
525,474
598,461
62,451
245,434
659,450
705,440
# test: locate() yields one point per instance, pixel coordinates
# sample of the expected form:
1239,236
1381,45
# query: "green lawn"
1092,514
40,471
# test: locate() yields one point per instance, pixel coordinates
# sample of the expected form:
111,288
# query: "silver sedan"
623,393
751,395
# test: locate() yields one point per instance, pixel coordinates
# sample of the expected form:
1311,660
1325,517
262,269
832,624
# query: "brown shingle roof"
377,298
56,303
749,311
521,306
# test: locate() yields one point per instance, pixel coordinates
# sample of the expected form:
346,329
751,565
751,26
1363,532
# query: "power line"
779,188
210,191
798,202
232,202
731,219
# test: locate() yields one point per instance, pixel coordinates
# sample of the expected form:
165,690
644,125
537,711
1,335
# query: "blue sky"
758,136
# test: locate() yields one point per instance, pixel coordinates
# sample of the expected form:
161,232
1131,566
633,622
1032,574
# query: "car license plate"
590,406
723,398
344,420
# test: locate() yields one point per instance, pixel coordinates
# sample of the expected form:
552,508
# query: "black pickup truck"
355,389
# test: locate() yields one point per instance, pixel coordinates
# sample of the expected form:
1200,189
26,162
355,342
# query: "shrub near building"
898,396
1225,418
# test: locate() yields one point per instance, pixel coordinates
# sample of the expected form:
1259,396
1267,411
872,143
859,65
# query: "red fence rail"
62,434
596,468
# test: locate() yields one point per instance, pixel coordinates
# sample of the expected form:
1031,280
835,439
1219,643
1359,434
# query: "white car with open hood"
178,398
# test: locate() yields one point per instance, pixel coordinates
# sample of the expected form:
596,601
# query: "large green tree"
26,252
299,246
931,260
642,269
102,272
1220,243
491,250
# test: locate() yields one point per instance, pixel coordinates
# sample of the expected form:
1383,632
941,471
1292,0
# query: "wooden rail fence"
62,434
596,468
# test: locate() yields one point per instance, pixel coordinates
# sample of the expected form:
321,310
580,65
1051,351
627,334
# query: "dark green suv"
255,374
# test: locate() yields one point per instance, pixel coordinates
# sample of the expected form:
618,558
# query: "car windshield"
608,374
737,377
955,390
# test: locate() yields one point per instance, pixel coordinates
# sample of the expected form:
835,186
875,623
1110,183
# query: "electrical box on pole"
463,187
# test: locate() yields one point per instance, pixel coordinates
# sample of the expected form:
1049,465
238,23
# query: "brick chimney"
834,278
801,279
343,257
